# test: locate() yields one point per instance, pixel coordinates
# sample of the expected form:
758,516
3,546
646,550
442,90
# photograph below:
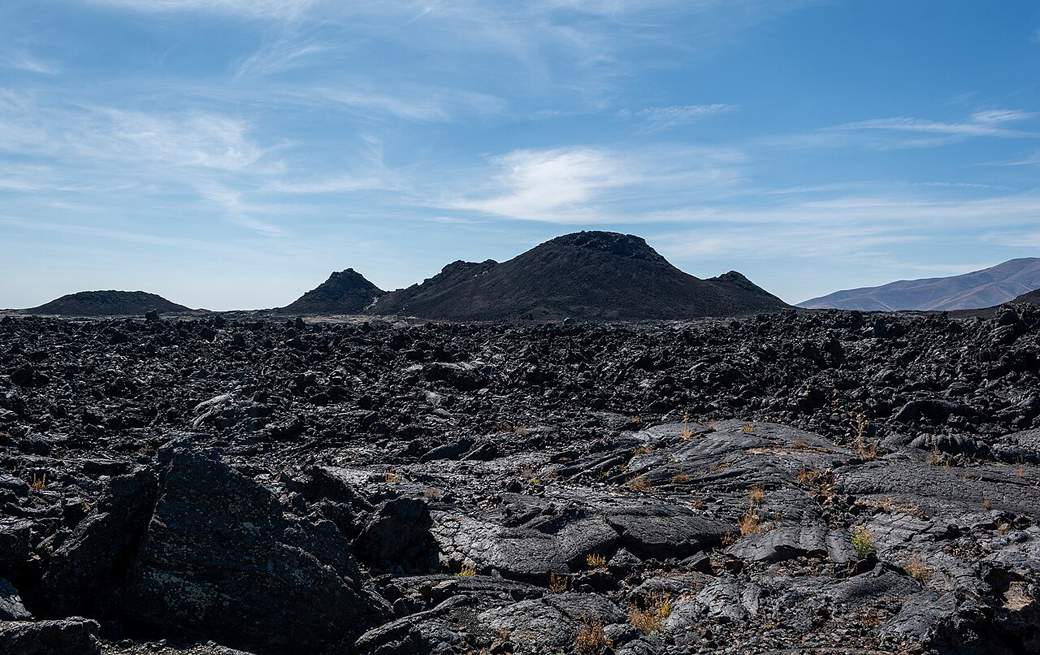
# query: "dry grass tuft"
595,560
750,523
686,434
918,570
591,639
390,478
680,478
639,483
807,477
466,571
643,450
863,450
747,428
558,583
756,494
38,482
650,618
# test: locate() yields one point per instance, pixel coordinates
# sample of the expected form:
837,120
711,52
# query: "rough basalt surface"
809,481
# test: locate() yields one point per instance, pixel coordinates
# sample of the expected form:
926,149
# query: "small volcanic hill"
986,288
108,303
345,292
587,275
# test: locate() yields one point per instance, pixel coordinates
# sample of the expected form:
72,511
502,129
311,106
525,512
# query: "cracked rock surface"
245,484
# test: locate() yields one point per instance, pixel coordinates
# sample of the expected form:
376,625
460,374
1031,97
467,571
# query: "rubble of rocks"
815,481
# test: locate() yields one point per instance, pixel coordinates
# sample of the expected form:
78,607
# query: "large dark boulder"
15,548
75,636
220,560
398,536
89,568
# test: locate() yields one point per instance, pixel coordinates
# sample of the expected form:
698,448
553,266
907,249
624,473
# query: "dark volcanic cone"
345,292
588,275
108,303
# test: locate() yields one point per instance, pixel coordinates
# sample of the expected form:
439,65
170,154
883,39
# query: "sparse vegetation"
595,560
917,569
750,522
591,639
558,583
862,541
686,435
650,617
807,476
639,483
933,457
747,428
862,449
38,482
756,494
680,478
643,450
466,571
390,477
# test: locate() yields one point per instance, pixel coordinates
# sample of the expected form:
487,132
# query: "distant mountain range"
986,288
593,276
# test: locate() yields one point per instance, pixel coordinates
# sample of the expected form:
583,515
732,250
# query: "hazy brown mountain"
985,288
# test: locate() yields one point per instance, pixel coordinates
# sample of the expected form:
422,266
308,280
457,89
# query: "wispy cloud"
119,235
997,116
660,117
587,184
903,124
25,62
988,123
236,211
193,140
268,9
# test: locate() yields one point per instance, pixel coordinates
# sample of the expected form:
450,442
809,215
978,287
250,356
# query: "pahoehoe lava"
816,480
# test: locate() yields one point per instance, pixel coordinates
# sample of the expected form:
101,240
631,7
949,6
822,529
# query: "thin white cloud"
26,62
267,9
194,140
236,211
589,185
658,117
904,124
995,116
908,132
119,235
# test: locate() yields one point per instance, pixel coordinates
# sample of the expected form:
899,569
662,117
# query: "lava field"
794,481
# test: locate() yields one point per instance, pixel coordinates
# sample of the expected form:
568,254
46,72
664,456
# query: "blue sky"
232,153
